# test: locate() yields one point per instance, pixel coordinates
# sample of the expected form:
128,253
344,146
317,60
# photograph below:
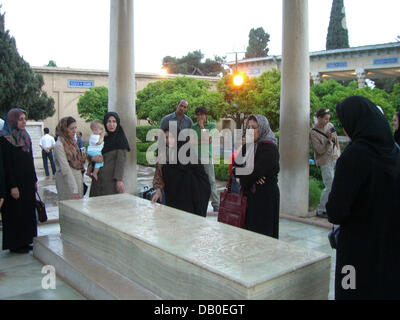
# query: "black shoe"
322,215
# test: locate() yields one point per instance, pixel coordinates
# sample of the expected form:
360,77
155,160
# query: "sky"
75,33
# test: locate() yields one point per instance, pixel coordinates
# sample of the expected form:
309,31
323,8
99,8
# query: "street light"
164,71
238,79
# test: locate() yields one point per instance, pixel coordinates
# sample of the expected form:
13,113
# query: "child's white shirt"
93,146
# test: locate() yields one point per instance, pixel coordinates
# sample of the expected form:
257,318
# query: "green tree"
238,103
160,98
269,98
337,37
51,63
258,43
19,85
395,96
329,93
257,96
192,64
93,104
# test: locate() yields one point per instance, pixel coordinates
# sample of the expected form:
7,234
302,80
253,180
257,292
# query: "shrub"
315,173
314,194
141,132
141,159
221,171
143,146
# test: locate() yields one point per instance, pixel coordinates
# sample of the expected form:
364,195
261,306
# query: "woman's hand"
76,196
157,195
1,202
15,193
261,181
97,159
120,187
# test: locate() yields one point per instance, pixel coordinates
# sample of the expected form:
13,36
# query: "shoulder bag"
232,206
41,209
333,237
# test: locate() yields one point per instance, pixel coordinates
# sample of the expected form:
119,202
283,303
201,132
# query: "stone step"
177,255
88,276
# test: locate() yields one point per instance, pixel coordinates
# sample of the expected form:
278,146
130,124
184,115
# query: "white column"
295,109
121,82
361,77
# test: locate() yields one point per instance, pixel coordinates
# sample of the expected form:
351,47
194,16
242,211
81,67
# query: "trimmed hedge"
141,132
143,146
314,194
221,171
141,159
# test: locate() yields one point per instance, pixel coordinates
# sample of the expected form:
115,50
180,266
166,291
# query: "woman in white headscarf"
260,184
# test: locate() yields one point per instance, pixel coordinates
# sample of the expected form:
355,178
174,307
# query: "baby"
96,144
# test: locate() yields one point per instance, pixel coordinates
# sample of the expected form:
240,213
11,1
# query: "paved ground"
21,276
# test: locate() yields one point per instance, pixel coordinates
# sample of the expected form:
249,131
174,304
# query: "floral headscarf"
17,137
72,151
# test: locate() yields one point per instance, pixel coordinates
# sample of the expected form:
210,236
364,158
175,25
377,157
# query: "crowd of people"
362,183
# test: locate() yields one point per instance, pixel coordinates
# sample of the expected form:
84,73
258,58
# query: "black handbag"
148,193
333,237
40,209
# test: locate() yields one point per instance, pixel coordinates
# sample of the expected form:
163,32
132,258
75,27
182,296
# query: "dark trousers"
49,155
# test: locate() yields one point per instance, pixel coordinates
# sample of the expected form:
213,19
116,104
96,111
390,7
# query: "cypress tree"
19,85
337,37
258,43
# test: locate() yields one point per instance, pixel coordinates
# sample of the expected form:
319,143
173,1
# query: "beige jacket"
68,180
324,150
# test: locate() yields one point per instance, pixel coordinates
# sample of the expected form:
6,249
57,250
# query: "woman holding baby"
109,177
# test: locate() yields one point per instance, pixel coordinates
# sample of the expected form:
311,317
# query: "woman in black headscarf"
185,185
396,125
114,154
18,211
364,201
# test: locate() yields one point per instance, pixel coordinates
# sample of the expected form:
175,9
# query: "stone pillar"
295,110
121,81
361,76
316,77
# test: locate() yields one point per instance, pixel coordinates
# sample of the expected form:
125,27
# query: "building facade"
66,86
356,63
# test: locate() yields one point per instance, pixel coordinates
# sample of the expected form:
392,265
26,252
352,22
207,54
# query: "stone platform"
160,252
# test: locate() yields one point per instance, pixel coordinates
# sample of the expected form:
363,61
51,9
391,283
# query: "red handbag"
232,206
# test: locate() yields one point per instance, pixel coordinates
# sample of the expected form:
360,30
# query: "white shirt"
93,146
47,141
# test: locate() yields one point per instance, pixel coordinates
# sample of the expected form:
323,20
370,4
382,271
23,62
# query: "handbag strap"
38,195
320,133
229,184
